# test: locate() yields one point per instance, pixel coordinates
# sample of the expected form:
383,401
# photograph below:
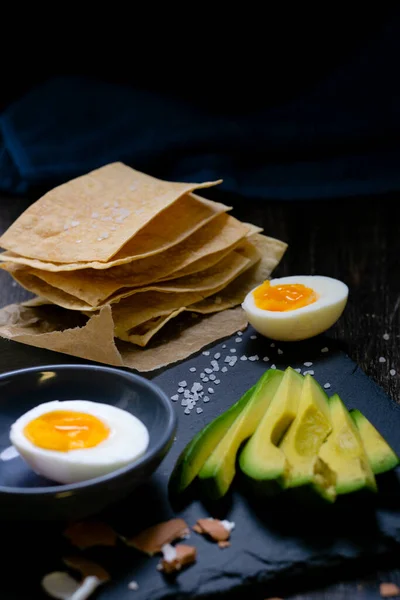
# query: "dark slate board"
273,539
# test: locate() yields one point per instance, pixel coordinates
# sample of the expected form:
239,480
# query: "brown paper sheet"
95,339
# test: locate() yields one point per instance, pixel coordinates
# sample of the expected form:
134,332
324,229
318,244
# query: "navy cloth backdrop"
338,137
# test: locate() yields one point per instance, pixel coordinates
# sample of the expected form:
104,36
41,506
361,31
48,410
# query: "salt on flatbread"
117,199
212,242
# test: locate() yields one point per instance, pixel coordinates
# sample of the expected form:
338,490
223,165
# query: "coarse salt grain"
233,361
280,351
238,340
205,379
217,355
273,367
187,411
206,399
210,390
308,364
208,370
212,377
224,369
215,365
233,350
175,397
182,384
133,585
206,353
392,372
180,390
192,369
244,357
239,333
199,410
202,375
253,358
324,349
327,386
253,337
197,387
298,370
386,336
224,346
310,372
382,359
217,381
266,358
184,402
186,394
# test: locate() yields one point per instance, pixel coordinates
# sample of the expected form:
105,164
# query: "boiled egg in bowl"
297,307
75,440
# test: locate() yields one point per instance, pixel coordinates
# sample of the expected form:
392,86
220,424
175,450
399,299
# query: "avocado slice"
343,452
218,471
381,456
303,440
261,460
200,447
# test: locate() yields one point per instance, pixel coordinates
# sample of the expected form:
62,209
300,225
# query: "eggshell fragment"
214,528
181,556
151,540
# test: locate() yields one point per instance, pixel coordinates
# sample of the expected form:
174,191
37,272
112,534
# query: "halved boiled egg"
297,307
76,440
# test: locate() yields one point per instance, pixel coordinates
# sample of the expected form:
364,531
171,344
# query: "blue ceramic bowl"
25,495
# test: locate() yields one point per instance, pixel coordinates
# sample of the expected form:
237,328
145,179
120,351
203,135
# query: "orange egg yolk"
65,430
281,298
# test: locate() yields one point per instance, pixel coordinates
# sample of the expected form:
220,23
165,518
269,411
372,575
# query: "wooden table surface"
357,241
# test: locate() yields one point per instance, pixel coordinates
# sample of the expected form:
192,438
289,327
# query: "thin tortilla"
141,308
206,247
228,297
118,199
220,274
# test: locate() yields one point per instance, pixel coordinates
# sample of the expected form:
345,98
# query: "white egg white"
301,323
127,441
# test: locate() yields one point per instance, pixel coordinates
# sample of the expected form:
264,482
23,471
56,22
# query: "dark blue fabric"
339,138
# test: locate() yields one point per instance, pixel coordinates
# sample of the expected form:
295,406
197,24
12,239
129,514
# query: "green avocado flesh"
201,446
303,440
218,471
261,459
344,452
380,455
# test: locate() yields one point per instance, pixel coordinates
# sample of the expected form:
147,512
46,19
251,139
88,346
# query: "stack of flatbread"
148,250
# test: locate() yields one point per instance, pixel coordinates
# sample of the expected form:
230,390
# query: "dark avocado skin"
200,447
